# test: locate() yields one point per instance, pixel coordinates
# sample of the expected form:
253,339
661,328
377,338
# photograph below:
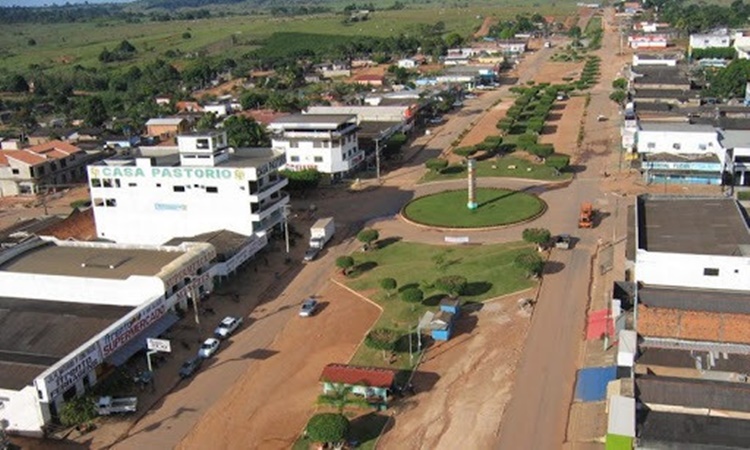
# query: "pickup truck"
109,405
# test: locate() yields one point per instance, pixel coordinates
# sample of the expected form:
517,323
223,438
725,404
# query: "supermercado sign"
208,173
68,374
134,325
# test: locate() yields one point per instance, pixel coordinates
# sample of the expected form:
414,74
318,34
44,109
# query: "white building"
742,45
719,40
407,63
212,187
655,59
325,142
678,138
219,109
73,311
737,145
692,242
649,41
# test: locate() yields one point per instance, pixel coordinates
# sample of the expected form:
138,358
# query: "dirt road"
537,415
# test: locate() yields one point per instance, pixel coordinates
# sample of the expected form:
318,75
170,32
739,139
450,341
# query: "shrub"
388,285
381,339
531,263
453,285
436,164
77,411
345,263
505,124
620,83
526,140
368,236
541,150
465,151
618,96
328,427
496,140
558,161
536,235
412,295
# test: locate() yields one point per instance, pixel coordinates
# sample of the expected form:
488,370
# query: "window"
676,146
201,144
63,163
158,184
178,188
212,189
96,182
53,166
132,184
702,146
710,272
318,159
111,202
117,182
651,145
293,144
16,171
98,202
107,182
317,144
294,158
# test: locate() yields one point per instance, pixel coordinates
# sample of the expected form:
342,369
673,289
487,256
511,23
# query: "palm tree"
340,397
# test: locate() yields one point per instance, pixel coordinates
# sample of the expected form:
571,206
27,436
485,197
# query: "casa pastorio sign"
207,173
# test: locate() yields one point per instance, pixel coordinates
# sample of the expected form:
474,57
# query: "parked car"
563,241
190,366
208,348
308,307
437,120
311,254
227,326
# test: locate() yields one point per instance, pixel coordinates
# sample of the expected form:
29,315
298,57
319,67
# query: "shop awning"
119,357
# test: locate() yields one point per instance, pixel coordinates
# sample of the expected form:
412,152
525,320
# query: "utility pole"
377,159
286,228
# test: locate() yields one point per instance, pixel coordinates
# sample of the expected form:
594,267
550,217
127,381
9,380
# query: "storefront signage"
191,269
272,165
208,173
68,374
135,324
246,252
663,165
190,289
170,207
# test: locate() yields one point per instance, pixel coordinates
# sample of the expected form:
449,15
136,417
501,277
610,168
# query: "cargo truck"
321,232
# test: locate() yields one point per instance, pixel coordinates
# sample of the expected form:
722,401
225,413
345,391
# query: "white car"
208,348
227,326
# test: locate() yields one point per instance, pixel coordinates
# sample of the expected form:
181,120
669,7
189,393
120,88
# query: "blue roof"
591,383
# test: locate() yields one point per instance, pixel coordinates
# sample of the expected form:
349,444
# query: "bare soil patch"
554,72
486,125
563,132
270,404
464,385
485,28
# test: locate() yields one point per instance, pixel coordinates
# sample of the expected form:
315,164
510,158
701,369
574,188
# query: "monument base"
472,205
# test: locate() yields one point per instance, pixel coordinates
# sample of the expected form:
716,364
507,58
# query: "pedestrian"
265,261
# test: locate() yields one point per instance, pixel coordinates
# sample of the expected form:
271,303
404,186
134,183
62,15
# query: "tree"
453,285
328,428
339,397
412,295
531,263
17,83
436,164
575,32
186,35
94,112
77,411
618,96
388,285
382,339
536,236
245,132
454,40
253,99
302,180
345,263
206,122
125,47
557,161
367,237
730,81
31,42
620,83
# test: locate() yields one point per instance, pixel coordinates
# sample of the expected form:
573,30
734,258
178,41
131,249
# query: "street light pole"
286,227
377,159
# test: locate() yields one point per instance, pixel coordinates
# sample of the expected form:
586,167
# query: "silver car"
308,307
227,326
208,348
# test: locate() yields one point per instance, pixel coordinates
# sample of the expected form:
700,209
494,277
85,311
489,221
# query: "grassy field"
495,207
523,169
60,45
489,270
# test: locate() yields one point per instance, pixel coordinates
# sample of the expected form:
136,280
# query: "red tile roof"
358,375
369,77
55,149
24,156
264,116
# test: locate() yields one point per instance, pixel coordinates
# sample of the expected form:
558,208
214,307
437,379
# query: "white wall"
331,159
641,60
21,411
679,142
150,211
709,40
686,270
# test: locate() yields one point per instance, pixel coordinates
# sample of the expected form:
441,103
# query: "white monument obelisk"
472,203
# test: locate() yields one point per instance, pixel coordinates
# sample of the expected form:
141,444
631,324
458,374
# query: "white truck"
321,232
109,405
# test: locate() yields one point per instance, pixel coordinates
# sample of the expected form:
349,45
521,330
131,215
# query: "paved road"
537,415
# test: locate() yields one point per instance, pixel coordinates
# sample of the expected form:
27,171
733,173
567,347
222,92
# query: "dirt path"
485,28
462,386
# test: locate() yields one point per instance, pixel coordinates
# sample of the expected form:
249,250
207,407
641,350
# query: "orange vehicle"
586,218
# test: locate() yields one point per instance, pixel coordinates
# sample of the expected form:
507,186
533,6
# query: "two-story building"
166,127
325,142
210,187
680,153
42,167
712,40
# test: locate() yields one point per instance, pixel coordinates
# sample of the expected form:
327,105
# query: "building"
204,187
325,142
512,46
741,44
718,40
680,153
655,77
648,41
220,110
333,70
46,166
737,145
656,59
166,127
375,384
407,63
370,80
73,311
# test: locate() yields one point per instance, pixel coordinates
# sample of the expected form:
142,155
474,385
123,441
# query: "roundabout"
495,208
